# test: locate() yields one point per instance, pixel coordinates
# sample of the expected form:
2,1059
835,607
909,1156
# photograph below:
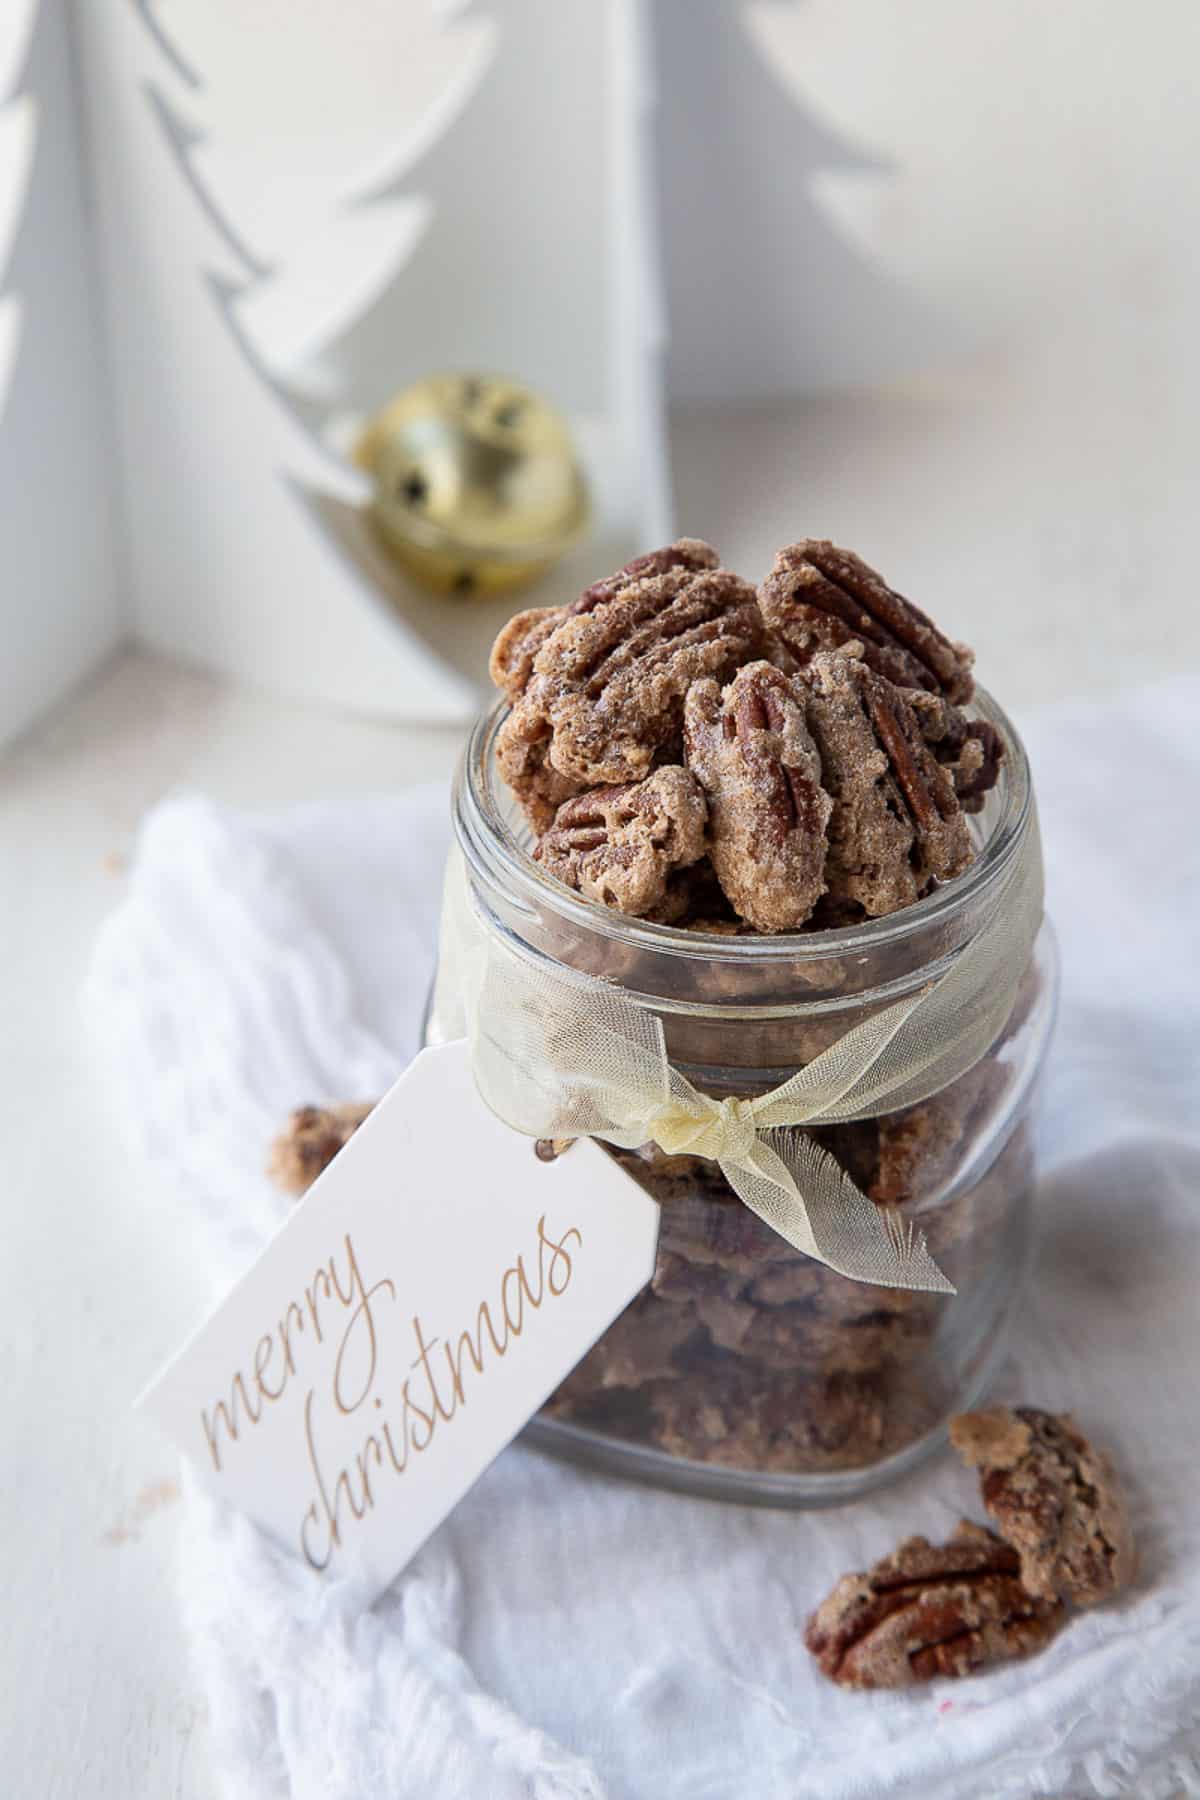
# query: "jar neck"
717,982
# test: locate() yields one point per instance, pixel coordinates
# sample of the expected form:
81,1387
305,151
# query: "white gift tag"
436,1283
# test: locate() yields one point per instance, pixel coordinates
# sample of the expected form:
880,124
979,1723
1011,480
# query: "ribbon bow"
560,1054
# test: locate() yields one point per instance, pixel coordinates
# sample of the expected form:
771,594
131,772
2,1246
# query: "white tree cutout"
765,295
512,272
59,601
303,200
231,562
326,244
18,128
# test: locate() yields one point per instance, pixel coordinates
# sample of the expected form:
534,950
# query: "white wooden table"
1058,573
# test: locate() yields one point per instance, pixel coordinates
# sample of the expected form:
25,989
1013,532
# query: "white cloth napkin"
565,1635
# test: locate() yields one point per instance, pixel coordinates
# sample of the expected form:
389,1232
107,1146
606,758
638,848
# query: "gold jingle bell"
478,487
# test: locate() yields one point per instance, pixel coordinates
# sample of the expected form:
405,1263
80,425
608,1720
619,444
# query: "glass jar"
746,1369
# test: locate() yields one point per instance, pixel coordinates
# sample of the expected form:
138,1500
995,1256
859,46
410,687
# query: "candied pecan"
896,825
511,661
752,751
604,701
818,597
742,1417
684,553
970,750
920,1148
310,1141
927,1610
520,640
1053,1497
621,845
644,1343
524,740
913,1146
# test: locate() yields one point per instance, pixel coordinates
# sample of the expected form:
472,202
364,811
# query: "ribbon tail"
802,1193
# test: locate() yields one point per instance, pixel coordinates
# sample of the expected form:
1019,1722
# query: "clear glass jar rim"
493,851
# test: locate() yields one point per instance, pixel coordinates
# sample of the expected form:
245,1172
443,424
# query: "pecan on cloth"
1053,1497
602,701
928,1610
310,1140
754,755
623,845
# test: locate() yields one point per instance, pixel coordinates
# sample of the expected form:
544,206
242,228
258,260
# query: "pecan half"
928,1610
684,553
310,1141
605,696
511,661
818,597
758,764
970,750
621,845
1053,1497
897,825
522,746
524,740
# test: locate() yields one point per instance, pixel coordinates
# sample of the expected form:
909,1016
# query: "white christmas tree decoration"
17,135
765,295
59,600
301,199
639,324
231,562
513,271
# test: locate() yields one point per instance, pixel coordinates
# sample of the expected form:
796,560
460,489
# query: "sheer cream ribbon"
558,1053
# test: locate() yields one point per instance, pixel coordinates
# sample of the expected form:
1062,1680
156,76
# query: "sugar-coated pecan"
511,662
1053,1498
524,741
684,553
621,845
752,751
519,641
605,697
310,1141
896,825
913,1145
970,750
818,597
522,746
928,1610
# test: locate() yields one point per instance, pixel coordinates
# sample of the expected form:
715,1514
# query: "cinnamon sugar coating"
752,751
896,825
622,845
511,661
928,1610
1053,1497
970,750
838,762
603,701
818,597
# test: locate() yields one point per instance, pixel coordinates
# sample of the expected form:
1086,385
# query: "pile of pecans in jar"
696,753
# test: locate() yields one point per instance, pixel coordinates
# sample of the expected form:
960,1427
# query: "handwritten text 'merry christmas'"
340,1315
